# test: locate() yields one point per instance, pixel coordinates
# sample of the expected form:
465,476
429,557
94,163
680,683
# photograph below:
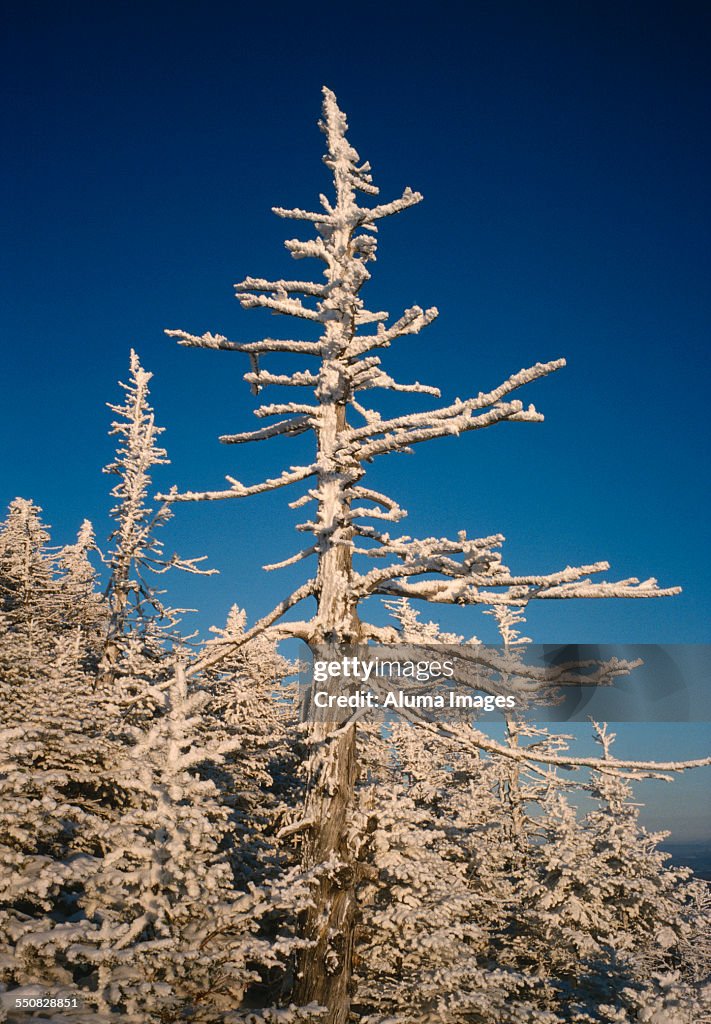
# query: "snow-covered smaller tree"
423,946
28,593
137,552
598,911
168,935
253,698
82,605
54,794
652,903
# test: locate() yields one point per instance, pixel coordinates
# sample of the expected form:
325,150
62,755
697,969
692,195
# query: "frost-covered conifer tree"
82,605
644,894
356,560
54,761
442,866
422,945
55,794
575,915
253,699
596,911
29,596
24,562
136,551
46,593
167,933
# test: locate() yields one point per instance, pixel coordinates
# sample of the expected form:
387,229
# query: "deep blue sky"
563,151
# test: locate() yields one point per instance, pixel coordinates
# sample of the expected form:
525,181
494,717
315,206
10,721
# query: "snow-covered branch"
478,741
456,418
465,592
302,379
218,341
260,284
292,427
408,198
366,373
285,306
238,490
293,559
220,651
412,321
318,218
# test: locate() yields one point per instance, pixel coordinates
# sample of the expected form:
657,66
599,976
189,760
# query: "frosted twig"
260,284
238,490
218,341
298,425
481,741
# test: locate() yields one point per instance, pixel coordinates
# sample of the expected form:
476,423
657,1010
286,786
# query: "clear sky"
563,151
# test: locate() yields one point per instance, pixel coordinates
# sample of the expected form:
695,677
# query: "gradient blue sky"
563,151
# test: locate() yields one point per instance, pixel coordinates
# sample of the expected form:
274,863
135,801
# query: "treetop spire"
341,157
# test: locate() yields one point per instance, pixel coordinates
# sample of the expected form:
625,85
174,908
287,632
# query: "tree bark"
325,967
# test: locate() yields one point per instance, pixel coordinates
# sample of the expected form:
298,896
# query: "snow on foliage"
136,550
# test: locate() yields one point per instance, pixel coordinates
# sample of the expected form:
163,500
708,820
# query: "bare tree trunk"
118,605
325,968
513,797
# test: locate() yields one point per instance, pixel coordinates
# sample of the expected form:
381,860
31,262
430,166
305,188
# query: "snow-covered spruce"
165,931
253,697
137,552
